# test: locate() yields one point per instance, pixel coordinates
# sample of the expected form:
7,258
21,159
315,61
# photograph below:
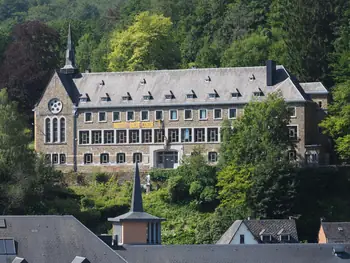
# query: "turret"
69,67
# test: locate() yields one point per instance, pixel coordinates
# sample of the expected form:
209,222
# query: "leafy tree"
258,175
84,51
337,123
147,44
28,62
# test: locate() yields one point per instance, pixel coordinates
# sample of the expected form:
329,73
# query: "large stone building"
114,119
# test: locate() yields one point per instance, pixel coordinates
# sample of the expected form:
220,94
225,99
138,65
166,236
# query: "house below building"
334,232
260,232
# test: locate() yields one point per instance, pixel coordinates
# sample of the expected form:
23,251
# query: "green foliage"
145,45
256,173
337,123
101,177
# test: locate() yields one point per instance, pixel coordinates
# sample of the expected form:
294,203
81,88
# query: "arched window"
47,130
55,129
63,129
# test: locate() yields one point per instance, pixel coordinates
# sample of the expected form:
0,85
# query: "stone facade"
108,121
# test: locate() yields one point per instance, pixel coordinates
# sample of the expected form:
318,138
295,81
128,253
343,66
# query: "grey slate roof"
182,82
55,239
314,88
136,212
272,227
261,253
337,232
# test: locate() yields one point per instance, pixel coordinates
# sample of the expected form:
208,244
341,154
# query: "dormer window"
208,79
148,97
170,96
127,97
213,95
236,94
266,238
284,237
191,95
106,97
259,93
85,98
143,82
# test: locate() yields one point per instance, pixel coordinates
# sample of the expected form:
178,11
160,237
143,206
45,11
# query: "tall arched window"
63,129
55,129
47,130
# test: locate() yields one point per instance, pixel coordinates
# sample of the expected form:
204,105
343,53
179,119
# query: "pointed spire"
136,203
69,67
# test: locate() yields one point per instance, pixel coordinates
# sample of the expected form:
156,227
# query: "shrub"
177,189
101,178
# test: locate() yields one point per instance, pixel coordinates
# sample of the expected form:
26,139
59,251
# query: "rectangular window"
116,116
120,157
84,137
292,111
203,114
96,137
159,115
199,135
104,158
213,134
232,113
266,238
134,136
212,157
48,158
108,137
146,136
88,117
173,115
130,116
62,158
144,115
137,158
292,155
173,135
121,136
159,136
186,135
55,158
188,115
320,103
88,158
241,239
217,114
102,116
293,132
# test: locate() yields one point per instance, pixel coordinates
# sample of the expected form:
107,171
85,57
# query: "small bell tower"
136,227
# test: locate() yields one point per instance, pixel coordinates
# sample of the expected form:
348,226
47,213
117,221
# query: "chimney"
270,72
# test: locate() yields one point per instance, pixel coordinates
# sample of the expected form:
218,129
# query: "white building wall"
248,237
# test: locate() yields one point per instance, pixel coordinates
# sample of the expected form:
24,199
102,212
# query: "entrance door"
166,159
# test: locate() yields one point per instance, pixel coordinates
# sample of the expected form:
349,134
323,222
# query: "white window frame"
228,113
210,159
48,128
113,116
65,158
58,158
208,139
107,154
188,119
177,115
99,120
92,158
220,114
147,115
134,158
89,133
127,115
101,136
295,111
105,137
294,125
117,160
155,115
206,114
65,130
92,117
125,138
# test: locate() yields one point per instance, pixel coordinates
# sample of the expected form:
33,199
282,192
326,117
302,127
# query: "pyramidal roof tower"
69,67
136,226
